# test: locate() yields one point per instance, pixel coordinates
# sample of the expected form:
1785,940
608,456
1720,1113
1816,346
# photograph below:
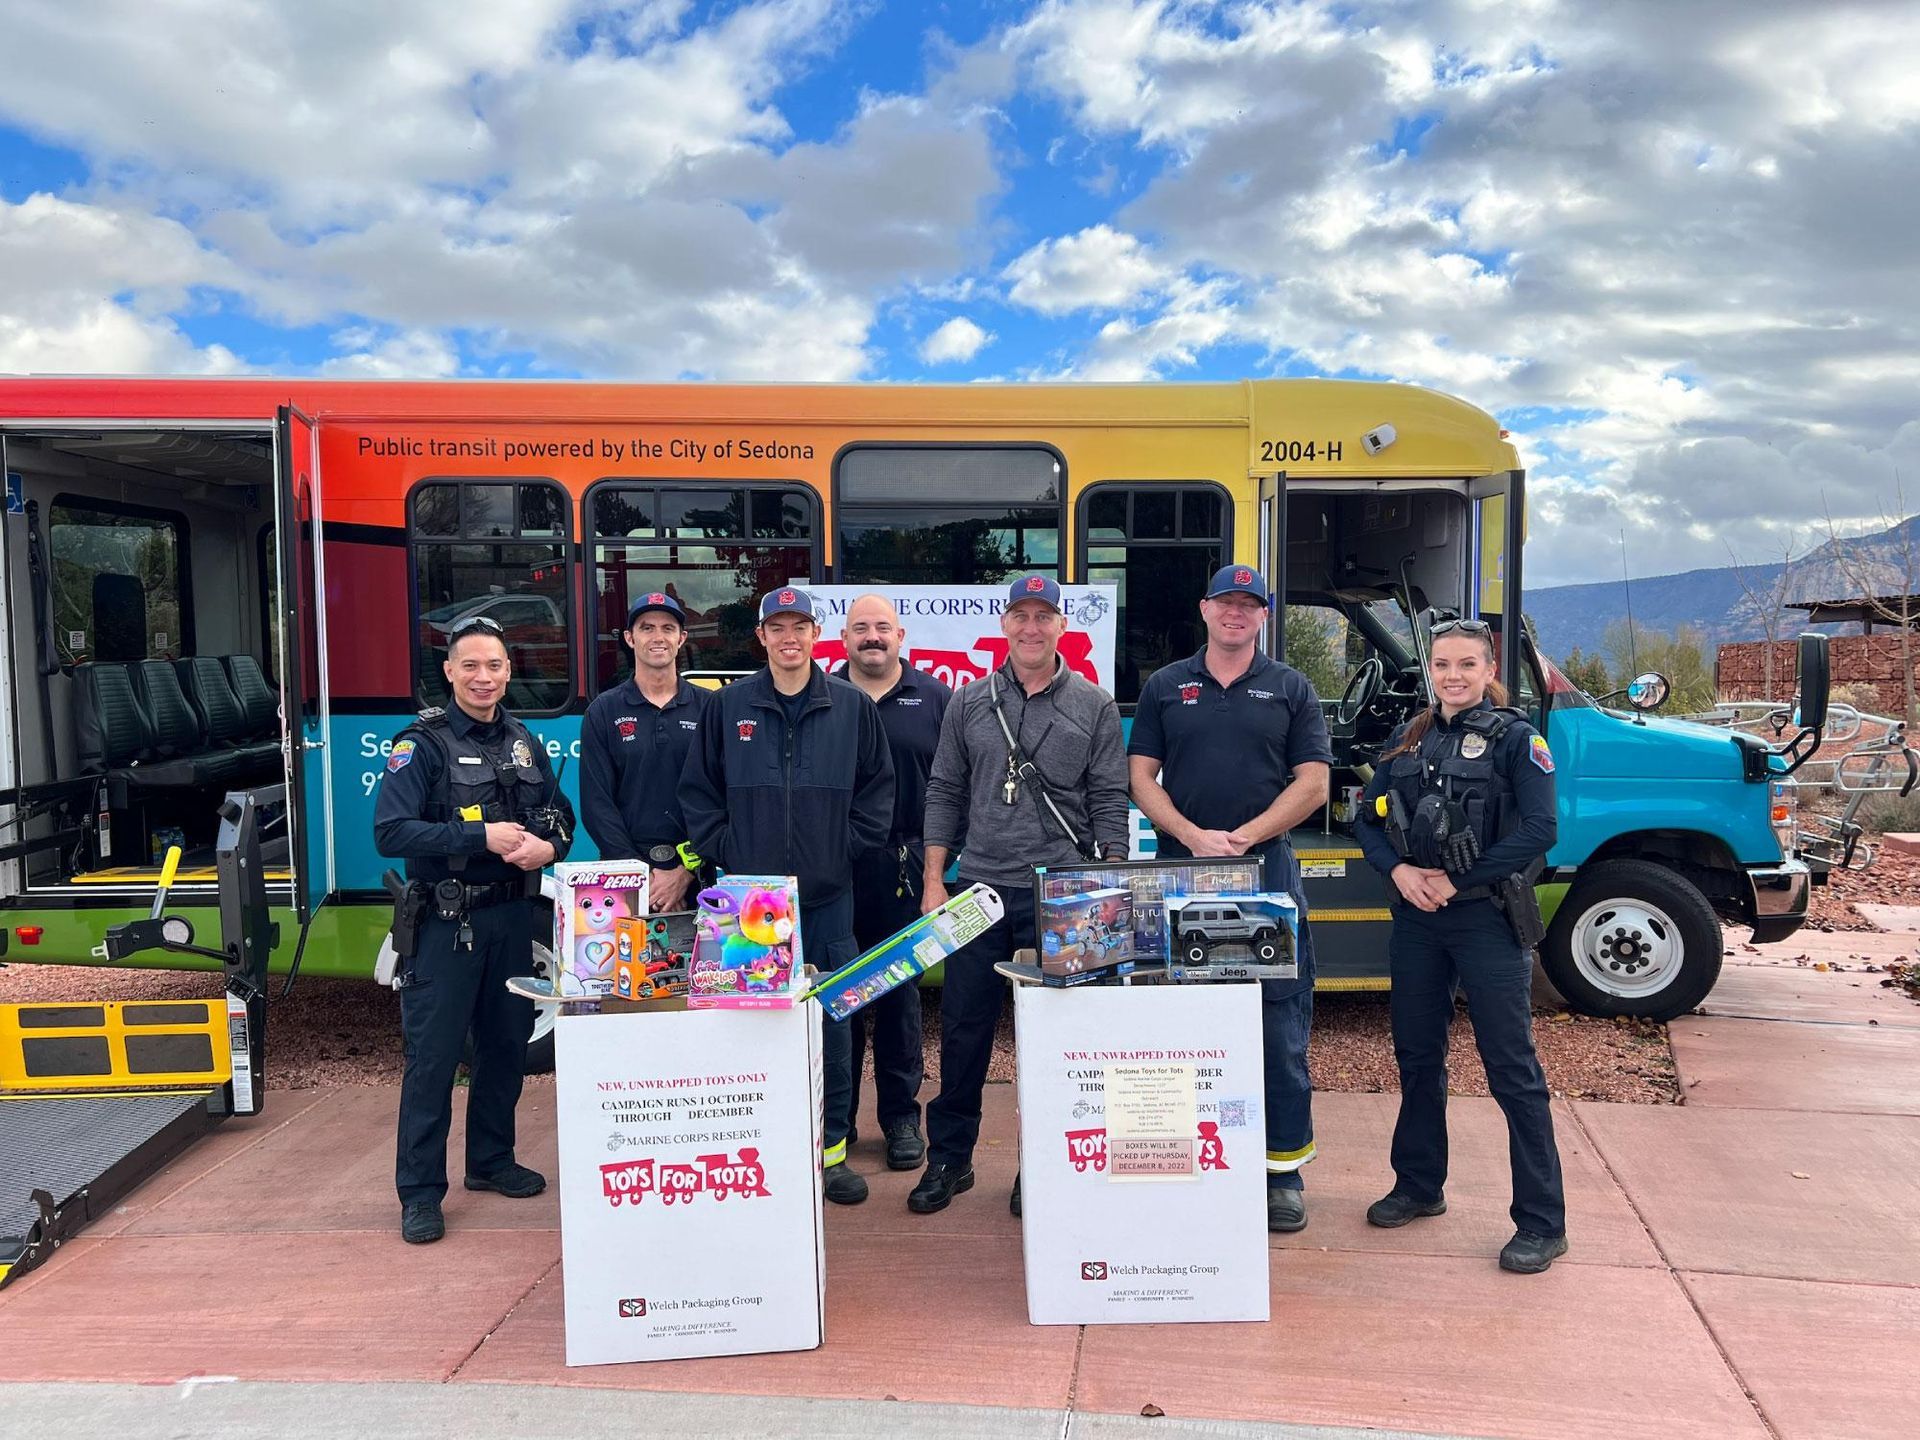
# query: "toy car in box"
1232,937
1084,937
651,956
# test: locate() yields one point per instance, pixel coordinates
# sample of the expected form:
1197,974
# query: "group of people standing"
869,787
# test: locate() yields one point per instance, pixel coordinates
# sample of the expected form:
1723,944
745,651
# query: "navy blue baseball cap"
787,601
1237,580
656,600
1033,587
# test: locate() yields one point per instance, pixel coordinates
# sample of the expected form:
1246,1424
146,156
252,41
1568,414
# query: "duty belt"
455,895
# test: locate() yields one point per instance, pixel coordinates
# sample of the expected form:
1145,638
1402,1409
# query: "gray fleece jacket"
1071,731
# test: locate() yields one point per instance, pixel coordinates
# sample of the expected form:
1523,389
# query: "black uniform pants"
971,999
893,1021
1469,944
455,990
826,942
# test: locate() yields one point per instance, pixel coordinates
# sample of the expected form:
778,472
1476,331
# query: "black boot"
1528,1254
938,1187
1395,1209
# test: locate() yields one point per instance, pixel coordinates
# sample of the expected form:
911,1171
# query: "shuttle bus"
214,583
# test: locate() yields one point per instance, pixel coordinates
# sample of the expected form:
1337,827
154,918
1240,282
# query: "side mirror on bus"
1815,680
1648,691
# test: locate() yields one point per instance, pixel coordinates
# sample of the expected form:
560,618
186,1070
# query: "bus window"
120,581
1157,545
955,514
493,548
715,550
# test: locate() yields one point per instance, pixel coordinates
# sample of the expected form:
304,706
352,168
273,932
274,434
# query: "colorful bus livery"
213,582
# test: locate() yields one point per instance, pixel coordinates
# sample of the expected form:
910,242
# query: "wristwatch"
663,855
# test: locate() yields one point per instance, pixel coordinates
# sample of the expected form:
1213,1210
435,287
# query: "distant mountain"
1714,601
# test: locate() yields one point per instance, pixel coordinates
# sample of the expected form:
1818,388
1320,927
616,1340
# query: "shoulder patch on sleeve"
401,757
1538,752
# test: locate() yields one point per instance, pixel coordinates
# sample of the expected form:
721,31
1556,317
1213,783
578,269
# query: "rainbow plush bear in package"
746,946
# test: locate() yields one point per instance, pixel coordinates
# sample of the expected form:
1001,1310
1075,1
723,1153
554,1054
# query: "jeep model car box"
1232,937
690,1205
1142,1153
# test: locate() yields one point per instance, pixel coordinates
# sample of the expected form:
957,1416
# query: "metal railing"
1882,764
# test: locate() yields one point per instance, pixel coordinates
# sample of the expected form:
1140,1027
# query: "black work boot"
516,1182
1528,1254
938,1187
844,1187
905,1147
421,1222
1286,1209
1395,1209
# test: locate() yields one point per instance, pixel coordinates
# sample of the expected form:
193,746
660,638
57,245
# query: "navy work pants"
456,990
971,999
886,901
1286,1020
1469,944
826,941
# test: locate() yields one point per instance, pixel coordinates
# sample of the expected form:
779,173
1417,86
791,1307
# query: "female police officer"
1457,816
469,801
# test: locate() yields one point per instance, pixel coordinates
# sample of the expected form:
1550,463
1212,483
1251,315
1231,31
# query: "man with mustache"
886,882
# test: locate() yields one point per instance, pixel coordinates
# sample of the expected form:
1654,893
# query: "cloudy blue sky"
1670,242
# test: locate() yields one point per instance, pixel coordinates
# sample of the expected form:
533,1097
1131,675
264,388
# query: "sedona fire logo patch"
745,727
1190,694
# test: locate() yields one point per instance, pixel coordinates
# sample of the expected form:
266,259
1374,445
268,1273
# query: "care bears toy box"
595,895
746,945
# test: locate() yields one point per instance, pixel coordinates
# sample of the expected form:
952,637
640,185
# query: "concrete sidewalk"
1743,1265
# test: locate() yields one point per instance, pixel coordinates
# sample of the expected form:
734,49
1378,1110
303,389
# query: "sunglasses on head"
1462,627
475,625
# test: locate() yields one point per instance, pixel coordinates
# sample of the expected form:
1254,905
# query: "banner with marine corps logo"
690,1207
953,631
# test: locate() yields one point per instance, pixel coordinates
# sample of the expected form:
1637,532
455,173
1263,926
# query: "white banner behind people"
953,631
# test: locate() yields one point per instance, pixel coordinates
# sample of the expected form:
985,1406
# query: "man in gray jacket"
1005,821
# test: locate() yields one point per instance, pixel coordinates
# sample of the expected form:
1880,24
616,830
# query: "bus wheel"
540,1042
1633,938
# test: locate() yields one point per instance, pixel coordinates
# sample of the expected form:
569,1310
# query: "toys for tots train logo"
721,1176
1087,1149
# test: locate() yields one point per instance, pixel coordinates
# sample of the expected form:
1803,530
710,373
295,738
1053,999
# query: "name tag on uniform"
470,760
470,812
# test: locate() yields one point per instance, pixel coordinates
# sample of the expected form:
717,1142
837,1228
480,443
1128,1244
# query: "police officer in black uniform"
633,746
1229,752
1457,816
886,882
469,802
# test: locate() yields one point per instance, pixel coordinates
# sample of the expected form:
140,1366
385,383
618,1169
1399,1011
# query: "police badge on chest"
1472,746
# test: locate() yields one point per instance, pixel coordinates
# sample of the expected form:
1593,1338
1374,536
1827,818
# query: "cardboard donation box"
690,1200
1142,1153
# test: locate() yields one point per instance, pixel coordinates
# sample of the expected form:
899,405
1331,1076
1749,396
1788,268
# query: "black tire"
1196,952
1266,948
1641,888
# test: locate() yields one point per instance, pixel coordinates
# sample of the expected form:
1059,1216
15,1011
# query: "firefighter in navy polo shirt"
633,746
1229,752
887,882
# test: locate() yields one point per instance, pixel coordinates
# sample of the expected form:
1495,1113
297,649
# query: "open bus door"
1499,504
302,625
1273,558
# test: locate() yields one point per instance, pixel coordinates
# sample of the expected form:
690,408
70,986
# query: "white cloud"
411,355
955,342
1100,268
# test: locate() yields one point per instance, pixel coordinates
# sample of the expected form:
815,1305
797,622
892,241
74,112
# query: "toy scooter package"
1233,937
595,895
746,947
908,954
651,955
1084,937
